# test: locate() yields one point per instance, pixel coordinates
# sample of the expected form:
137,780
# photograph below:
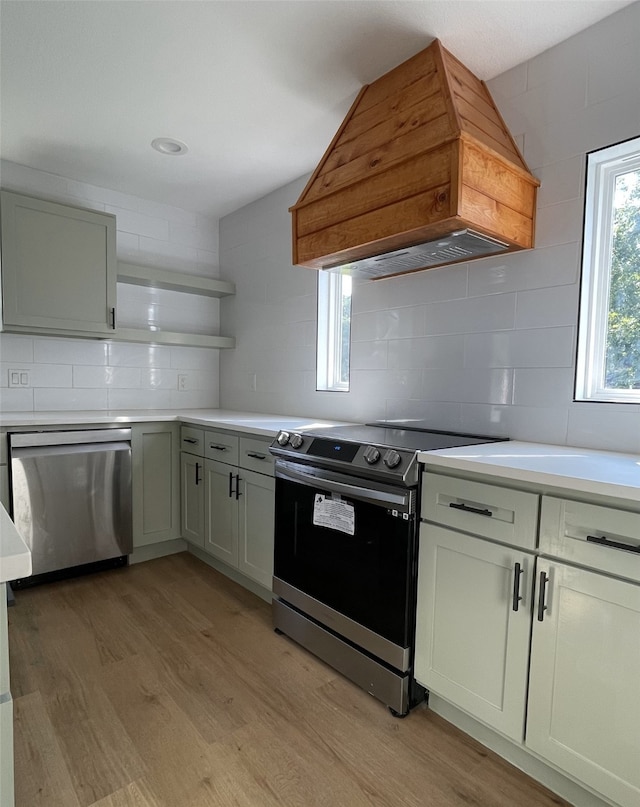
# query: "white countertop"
249,422
581,469
15,557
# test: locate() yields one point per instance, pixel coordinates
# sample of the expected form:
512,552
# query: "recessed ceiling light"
168,145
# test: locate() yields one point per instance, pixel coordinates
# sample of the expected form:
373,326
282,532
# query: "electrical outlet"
19,378
182,382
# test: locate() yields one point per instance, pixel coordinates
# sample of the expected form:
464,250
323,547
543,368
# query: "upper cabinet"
59,268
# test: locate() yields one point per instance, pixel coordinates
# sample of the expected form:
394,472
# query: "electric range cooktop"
384,449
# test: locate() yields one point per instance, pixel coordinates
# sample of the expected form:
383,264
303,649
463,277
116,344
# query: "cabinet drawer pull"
517,597
542,593
197,473
256,456
468,509
112,317
191,440
217,447
604,541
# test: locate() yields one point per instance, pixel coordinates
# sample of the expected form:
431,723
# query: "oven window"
365,576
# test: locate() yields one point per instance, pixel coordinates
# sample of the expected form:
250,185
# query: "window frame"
330,335
603,166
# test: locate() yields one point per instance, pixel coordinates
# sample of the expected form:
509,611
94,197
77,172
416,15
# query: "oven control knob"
296,440
392,459
371,455
282,438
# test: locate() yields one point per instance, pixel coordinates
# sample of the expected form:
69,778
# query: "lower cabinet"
155,482
228,499
584,706
473,624
564,616
239,519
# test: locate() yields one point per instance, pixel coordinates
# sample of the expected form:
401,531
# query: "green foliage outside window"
622,370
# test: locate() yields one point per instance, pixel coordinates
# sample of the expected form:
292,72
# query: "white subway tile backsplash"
548,386
538,424
559,223
201,237
125,354
129,221
369,356
16,400
531,269
50,400
16,348
138,399
561,181
106,377
391,323
542,347
194,358
469,385
475,314
47,350
427,351
547,308
157,378
615,427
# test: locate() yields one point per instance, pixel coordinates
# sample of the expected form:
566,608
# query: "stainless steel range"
345,559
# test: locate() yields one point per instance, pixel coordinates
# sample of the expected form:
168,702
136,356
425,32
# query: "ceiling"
255,89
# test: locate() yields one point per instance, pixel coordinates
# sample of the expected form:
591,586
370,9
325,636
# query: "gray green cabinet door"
59,267
256,526
155,482
221,511
192,498
472,636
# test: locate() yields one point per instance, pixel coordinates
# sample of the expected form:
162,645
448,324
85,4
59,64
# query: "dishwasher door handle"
62,438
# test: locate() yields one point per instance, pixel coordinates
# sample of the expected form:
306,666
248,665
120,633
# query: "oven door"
344,550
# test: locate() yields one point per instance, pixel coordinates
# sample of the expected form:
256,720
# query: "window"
608,367
334,331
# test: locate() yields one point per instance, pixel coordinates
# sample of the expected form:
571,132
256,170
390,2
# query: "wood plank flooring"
164,685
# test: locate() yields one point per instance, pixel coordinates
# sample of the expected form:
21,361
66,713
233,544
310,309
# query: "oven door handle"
401,500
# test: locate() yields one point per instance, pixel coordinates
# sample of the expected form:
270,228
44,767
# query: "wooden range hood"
423,172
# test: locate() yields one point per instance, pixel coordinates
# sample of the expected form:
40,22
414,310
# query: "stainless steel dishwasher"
71,499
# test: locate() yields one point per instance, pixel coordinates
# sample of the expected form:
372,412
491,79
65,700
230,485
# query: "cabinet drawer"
192,440
603,538
255,455
500,514
221,446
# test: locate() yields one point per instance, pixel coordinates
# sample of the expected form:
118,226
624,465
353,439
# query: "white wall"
91,374
485,347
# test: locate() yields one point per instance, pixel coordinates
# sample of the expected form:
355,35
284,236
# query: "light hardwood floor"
163,684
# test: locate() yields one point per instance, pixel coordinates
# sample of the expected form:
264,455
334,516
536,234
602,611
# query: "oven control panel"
353,457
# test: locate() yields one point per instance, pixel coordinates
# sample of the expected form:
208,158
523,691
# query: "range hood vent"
459,246
422,173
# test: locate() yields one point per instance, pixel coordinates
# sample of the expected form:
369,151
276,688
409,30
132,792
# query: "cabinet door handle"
217,447
256,456
542,594
604,541
230,484
517,597
191,440
197,473
468,509
238,480
112,317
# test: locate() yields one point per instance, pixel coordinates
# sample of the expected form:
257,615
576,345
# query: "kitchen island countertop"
584,470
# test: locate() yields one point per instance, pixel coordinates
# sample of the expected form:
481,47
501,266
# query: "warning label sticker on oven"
334,513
